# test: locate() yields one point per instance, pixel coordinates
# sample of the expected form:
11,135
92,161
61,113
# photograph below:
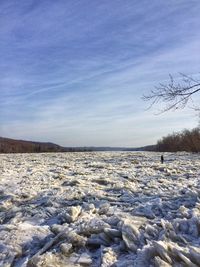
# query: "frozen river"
116,209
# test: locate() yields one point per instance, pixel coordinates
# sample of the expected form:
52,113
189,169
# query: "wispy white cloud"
78,71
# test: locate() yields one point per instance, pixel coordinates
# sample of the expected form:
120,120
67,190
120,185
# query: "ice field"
118,209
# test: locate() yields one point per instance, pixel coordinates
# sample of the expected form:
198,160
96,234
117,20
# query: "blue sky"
73,72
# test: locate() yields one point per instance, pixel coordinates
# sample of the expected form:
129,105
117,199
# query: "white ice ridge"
118,209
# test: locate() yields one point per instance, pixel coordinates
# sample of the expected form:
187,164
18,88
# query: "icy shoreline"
99,209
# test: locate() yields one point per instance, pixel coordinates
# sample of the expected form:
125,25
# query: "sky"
74,72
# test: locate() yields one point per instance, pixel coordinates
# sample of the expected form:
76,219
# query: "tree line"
186,140
8,145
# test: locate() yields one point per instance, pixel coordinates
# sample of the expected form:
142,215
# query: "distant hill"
8,145
107,148
143,148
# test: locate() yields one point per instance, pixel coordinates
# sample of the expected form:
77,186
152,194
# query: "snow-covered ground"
99,209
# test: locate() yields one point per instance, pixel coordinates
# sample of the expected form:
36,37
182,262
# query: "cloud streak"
77,69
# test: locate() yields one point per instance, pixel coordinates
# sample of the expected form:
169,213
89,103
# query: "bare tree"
186,140
175,94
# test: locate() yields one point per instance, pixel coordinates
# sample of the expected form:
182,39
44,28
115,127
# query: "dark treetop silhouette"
175,94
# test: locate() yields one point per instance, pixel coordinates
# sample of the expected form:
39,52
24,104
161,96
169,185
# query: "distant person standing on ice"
162,159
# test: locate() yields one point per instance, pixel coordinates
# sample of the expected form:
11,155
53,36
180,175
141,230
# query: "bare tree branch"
175,95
